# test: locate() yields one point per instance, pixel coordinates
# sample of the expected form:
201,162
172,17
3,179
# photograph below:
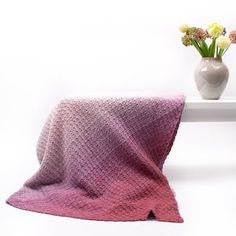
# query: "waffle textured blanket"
102,159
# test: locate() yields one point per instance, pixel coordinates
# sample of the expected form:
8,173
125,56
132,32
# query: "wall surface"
49,49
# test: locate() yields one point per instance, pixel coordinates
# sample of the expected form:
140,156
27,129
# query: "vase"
211,76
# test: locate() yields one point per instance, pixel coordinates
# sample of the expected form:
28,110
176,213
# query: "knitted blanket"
102,159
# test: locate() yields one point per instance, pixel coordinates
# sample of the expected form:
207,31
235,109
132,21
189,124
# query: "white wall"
51,48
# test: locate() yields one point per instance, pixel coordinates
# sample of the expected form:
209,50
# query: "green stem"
217,52
221,53
204,47
195,44
224,51
212,48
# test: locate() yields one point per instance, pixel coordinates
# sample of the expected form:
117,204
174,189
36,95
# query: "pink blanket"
102,159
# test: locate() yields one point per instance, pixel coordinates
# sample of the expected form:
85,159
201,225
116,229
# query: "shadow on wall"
199,172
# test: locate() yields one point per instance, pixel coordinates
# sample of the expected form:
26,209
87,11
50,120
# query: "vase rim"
212,58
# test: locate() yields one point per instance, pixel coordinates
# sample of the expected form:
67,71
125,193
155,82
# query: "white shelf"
199,110
195,110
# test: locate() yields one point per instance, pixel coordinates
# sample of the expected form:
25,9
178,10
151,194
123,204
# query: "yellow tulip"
215,30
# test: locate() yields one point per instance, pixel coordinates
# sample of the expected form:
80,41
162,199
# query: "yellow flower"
223,42
215,30
183,28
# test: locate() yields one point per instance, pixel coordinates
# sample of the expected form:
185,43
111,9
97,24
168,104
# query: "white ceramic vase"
211,76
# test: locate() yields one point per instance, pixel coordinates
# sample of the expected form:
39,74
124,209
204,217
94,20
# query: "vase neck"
212,59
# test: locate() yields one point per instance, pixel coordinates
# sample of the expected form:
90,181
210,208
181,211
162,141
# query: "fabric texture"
102,159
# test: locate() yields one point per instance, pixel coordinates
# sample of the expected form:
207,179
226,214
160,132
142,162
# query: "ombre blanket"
102,159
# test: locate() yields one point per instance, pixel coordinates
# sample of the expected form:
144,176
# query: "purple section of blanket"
102,159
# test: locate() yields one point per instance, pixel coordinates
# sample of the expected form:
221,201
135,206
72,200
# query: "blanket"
102,159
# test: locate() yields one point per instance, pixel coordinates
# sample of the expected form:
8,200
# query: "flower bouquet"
216,33
211,74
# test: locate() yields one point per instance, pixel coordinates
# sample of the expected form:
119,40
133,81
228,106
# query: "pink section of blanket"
102,159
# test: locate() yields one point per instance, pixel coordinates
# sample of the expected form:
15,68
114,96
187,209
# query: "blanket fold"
102,159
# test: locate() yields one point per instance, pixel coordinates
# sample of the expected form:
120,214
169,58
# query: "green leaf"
217,52
195,44
224,52
204,48
212,48
221,52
